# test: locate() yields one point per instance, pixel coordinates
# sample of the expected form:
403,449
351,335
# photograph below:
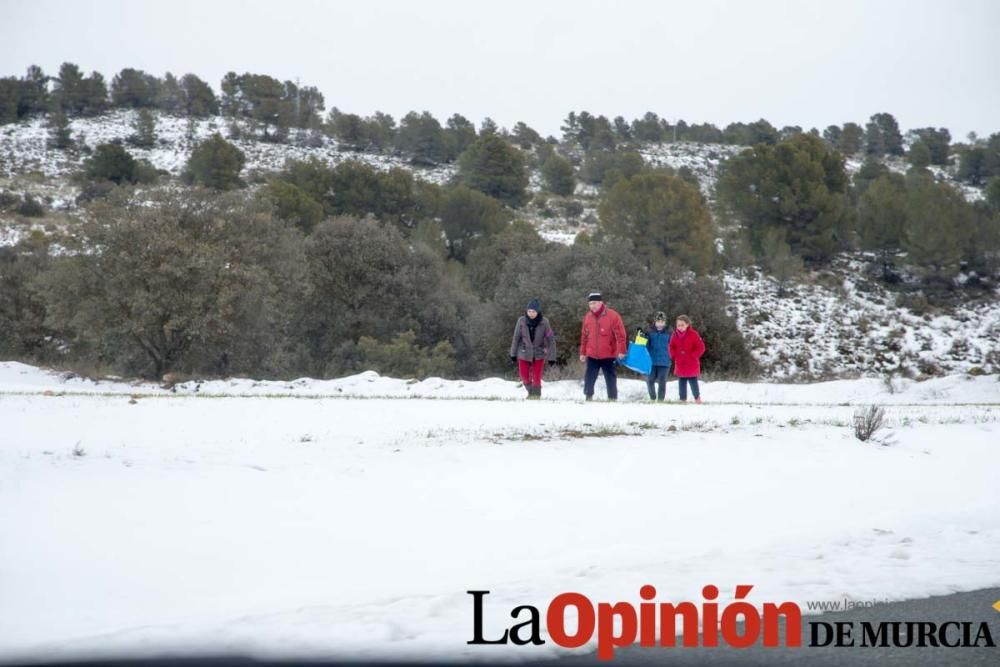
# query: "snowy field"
351,516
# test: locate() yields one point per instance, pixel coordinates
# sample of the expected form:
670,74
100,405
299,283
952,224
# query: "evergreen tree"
95,94
833,134
215,163
34,98
780,262
882,220
919,155
293,205
422,138
938,142
171,98
992,194
623,131
972,166
459,135
111,162
468,217
851,139
144,126
59,130
488,126
381,130
524,136
10,95
558,175
799,186
188,281
664,216
940,225
69,89
198,98
758,132
349,129
135,89
882,136
495,168
648,128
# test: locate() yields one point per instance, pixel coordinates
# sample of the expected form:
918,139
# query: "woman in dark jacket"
658,341
533,344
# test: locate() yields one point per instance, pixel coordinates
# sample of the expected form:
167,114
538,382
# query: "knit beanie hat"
595,296
534,304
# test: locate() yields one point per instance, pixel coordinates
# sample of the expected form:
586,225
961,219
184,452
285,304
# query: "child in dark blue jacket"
659,339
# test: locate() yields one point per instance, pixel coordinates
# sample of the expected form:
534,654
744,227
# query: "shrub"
868,421
31,207
215,163
398,357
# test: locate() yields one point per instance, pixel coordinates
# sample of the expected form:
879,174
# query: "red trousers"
531,372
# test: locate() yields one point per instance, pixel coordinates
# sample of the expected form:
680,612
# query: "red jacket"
686,350
603,335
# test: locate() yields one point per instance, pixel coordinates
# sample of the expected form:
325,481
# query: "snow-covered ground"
857,327
351,516
702,159
23,146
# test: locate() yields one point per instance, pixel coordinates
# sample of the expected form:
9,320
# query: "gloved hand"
513,360
552,362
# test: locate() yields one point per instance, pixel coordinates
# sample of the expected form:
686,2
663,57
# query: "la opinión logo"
621,624
738,624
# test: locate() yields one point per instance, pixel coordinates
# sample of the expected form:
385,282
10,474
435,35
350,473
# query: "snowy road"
326,526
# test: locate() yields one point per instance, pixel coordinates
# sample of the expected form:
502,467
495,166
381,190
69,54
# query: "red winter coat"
686,350
603,335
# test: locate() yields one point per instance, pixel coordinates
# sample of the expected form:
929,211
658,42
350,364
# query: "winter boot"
698,400
538,392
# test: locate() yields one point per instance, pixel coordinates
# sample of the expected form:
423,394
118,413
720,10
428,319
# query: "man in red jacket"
686,348
602,342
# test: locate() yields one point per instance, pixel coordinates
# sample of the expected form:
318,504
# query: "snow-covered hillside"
352,521
835,325
856,328
23,147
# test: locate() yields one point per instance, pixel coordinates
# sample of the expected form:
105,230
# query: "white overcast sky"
807,63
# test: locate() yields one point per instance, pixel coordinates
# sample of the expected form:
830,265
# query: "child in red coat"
686,348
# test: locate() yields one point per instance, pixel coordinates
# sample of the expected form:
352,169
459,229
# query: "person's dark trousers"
607,366
683,382
656,382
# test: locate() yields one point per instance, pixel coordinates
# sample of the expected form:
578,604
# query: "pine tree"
559,176
882,220
59,130
111,162
940,225
144,126
851,139
170,98
779,260
882,136
664,216
799,185
468,217
215,163
459,135
919,155
421,136
938,143
495,168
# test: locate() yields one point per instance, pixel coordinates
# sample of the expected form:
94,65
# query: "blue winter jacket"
657,346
